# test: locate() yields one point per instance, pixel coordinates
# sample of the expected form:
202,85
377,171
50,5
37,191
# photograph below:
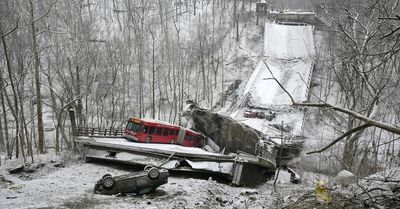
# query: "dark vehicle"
139,183
250,114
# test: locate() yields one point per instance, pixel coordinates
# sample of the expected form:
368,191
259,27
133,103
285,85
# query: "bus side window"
165,132
177,132
145,129
189,137
158,130
152,129
171,132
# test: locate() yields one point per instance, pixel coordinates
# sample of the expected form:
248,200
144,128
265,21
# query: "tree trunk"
237,28
2,144
79,108
153,91
3,106
54,105
41,141
14,110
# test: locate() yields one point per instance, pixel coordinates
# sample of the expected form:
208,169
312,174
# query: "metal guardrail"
85,131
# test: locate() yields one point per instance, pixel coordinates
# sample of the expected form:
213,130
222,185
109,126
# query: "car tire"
105,175
108,182
148,139
153,173
147,168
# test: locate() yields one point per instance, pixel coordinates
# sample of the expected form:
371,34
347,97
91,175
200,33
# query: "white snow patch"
288,41
345,178
162,147
72,187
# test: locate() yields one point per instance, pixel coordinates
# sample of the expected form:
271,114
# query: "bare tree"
36,55
365,66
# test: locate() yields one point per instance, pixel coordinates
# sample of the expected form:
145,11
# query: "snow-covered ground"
72,187
293,74
288,53
282,41
172,148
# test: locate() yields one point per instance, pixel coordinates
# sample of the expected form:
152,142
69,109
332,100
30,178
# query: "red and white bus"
154,131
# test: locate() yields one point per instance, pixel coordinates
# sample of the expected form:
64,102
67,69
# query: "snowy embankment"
288,50
72,187
288,53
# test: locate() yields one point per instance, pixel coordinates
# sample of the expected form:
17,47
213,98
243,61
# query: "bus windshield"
135,127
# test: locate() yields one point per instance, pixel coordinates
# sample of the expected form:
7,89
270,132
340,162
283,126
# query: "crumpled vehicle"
139,183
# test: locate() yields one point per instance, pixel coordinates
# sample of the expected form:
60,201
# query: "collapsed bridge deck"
241,168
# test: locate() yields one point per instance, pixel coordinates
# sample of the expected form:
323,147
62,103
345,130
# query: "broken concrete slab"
16,169
5,181
241,168
234,136
225,131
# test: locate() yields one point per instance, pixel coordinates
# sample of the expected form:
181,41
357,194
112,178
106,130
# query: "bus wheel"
148,139
172,141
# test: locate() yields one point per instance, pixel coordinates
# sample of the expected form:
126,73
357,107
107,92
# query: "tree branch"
12,30
273,77
358,128
72,101
47,12
391,33
389,18
379,124
372,122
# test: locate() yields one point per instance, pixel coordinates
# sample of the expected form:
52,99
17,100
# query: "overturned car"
139,183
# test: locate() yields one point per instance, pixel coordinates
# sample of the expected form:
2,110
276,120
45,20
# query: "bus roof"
150,120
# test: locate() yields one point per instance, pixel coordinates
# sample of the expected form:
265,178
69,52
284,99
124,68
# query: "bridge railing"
99,132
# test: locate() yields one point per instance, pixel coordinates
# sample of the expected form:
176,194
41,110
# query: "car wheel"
105,176
153,173
108,182
148,139
147,168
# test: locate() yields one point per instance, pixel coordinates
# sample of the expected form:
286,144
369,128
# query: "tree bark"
41,140
14,110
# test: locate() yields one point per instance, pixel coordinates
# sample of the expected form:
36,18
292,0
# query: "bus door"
173,135
149,130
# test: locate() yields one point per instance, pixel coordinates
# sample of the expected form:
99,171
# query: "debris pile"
226,132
